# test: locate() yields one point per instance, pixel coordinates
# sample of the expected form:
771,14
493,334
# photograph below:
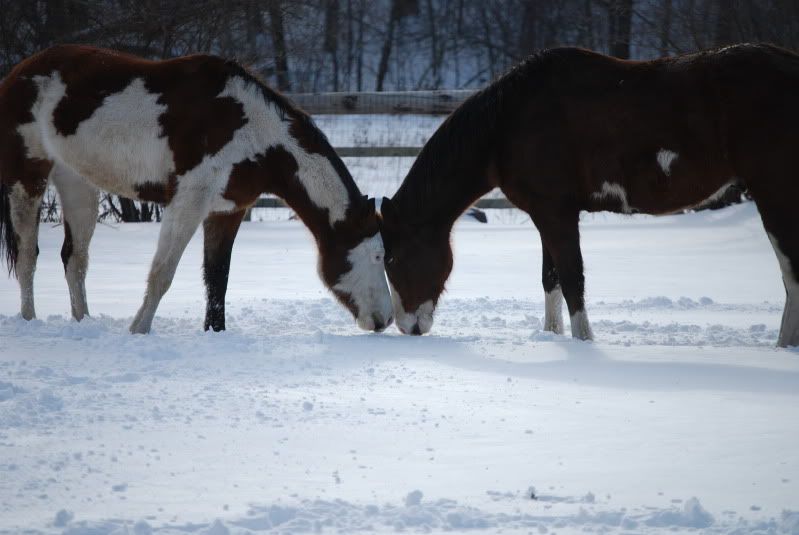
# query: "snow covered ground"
682,416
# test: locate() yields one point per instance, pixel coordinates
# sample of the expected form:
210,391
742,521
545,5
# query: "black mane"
467,140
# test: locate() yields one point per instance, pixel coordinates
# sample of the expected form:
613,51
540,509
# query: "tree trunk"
435,54
665,28
620,14
385,52
331,37
279,43
130,214
399,9
723,22
528,41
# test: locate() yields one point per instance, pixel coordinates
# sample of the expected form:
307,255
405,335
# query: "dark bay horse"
570,130
198,134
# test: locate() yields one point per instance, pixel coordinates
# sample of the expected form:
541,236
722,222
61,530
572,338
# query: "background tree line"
365,45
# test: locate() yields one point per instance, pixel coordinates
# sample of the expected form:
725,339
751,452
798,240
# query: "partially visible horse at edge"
570,130
200,135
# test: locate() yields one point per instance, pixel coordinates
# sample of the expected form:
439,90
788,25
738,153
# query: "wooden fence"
382,103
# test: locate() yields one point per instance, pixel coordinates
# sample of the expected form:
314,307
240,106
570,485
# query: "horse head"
351,265
418,261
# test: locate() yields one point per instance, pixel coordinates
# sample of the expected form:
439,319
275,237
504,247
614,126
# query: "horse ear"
388,212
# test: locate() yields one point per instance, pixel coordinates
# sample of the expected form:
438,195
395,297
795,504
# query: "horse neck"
322,204
430,197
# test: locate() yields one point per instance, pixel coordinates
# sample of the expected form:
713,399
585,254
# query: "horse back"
128,125
651,136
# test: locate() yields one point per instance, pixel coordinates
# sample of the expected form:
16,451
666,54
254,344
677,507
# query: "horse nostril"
379,325
390,321
416,331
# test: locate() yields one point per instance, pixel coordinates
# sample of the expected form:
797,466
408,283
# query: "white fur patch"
665,158
366,282
118,148
616,191
789,329
580,327
553,311
421,317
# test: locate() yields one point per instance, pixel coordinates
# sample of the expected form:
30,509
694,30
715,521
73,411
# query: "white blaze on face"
614,190
366,284
665,158
406,321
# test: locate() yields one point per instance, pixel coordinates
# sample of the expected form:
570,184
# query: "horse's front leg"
553,295
560,235
219,234
181,219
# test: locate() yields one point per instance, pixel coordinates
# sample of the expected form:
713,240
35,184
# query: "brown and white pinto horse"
571,130
199,134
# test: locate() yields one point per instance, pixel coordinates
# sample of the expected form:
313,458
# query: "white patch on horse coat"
366,282
117,149
265,129
613,190
422,316
553,311
665,158
580,327
789,329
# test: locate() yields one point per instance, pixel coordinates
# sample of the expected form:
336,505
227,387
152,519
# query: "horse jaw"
418,322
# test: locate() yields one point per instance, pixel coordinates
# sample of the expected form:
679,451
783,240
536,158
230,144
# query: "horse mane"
467,140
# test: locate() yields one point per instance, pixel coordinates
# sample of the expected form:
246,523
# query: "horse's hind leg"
80,205
219,233
553,295
24,207
181,219
780,221
560,235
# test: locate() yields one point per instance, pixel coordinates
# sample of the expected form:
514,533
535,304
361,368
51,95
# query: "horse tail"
8,238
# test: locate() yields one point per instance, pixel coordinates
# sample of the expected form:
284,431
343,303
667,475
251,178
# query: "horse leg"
80,205
181,219
560,235
553,295
24,208
780,223
219,232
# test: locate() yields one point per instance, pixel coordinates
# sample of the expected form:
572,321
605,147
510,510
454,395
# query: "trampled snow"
681,417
